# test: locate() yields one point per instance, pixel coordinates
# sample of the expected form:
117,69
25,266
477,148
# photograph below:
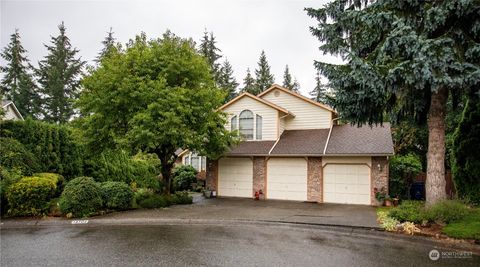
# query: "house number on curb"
79,221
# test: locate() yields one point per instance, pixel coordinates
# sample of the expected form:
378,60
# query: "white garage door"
287,179
346,184
235,177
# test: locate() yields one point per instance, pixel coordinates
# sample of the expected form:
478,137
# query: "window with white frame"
259,127
199,163
246,124
233,123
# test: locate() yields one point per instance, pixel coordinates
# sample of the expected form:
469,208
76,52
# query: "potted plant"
380,195
207,193
395,201
388,201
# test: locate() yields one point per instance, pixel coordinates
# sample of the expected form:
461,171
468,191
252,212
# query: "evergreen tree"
108,45
263,78
211,52
227,81
319,93
296,86
17,84
249,84
58,75
405,58
287,79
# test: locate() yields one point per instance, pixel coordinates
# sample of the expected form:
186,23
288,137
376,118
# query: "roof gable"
263,101
306,99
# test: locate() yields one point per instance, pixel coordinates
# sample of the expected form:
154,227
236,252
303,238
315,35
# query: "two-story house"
293,149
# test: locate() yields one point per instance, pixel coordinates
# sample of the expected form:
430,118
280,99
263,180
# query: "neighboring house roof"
7,103
351,140
344,140
276,86
268,103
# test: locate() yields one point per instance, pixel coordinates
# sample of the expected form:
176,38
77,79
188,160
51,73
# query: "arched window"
246,124
233,123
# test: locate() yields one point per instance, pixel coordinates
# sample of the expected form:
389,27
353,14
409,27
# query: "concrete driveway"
264,210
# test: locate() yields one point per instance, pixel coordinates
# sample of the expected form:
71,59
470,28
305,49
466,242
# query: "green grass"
468,227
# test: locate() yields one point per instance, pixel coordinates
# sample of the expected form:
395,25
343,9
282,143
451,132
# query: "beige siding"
269,116
347,160
10,114
281,126
307,115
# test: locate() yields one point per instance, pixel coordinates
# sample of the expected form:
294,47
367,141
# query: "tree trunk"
167,175
435,182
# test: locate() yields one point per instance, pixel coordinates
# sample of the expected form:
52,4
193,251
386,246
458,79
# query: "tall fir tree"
59,78
209,49
17,83
287,78
249,84
227,81
109,43
319,93
296,86
263,78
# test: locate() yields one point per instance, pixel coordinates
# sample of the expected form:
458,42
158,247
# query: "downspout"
329,134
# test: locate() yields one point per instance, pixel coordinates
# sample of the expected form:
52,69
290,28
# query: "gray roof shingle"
301,142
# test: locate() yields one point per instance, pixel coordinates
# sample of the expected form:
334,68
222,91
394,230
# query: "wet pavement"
214,245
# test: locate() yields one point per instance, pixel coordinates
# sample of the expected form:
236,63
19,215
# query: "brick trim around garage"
379,172
314,180
212,174
259,176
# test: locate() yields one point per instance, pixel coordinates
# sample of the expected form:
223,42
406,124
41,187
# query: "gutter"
329,134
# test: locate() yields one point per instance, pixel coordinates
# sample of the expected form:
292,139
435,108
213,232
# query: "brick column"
212,174
259,175
379,176
314,180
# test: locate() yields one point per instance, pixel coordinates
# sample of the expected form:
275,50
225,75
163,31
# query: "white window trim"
254,124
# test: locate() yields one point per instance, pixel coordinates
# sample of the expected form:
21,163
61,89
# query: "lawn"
468,227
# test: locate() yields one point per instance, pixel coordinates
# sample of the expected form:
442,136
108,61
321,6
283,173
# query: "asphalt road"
211,245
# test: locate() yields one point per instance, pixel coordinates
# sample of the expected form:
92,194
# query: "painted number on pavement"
79,221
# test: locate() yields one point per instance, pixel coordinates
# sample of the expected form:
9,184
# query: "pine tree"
296,86
227,81
17,84
249,84
211,52
263,78
287,79
108,46
319,93
58,75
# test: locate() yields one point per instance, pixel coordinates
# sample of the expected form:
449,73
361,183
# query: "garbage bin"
417,191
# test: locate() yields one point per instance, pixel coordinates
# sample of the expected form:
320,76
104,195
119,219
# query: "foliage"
183,198
403,170
410,138
183,177
109,46
54,145
249,84
403,58
14,155
153,201
17,82
468,227
390,224
7,178
381,194
30,196
59,78
209,50
319,93
466,146
288,82
141,194
448,211
411,211
82,197
263,78
227,82
116,195
57,179
155,96
410,228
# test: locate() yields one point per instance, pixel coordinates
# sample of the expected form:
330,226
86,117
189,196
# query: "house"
11,111
294,149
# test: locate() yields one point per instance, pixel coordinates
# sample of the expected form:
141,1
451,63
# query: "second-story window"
246,124
259,128
233,123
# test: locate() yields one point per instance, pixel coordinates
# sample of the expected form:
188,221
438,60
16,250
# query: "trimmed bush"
81,197
183,198
30,196
183,177
410,210
116,195
448,211
54,177
14,155
7,178
153,201
403,170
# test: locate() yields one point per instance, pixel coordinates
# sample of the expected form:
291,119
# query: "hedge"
14,155
30,196
81,197
116,195
54,177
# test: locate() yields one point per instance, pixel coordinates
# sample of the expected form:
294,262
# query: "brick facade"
314,180
259,175
212,174
379,176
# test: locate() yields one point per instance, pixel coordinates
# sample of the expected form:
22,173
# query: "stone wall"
314,180
379,176
212,174
259,175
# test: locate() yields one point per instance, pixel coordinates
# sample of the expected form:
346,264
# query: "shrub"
403,170
14,155
390,224
448,211
153,201
53,145
410,210
116,195
183,198
81,197
466,144
54,177
7,178
183,177
468,227
30,196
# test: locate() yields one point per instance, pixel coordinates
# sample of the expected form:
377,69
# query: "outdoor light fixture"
379,167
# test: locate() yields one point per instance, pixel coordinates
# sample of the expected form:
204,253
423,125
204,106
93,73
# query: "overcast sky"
242,28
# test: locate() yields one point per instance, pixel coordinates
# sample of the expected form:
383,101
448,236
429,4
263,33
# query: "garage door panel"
287,179
349,184
235,177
